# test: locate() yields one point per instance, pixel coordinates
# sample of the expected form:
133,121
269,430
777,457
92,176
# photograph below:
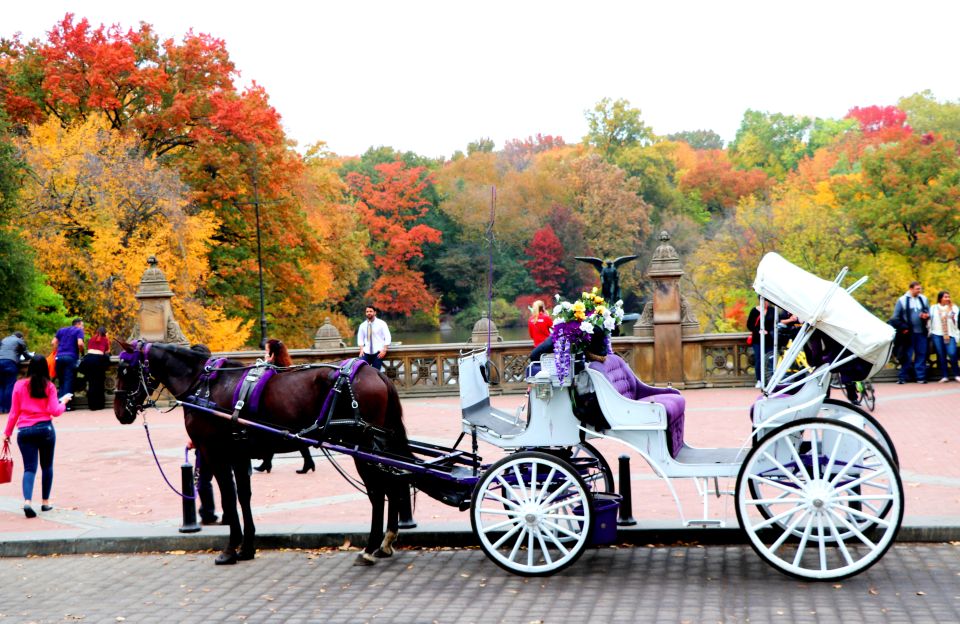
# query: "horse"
292,400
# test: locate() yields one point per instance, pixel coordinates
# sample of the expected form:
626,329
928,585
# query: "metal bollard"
625,517
406,513
190,524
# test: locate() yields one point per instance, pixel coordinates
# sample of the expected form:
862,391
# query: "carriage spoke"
840,542
496,527
520,484
499,512
822,544
530,547
566,517
815,453
507,487
833,454
843,471
787,532
506,535
516,545
855,530
561,529
774,501
778,517
544,549
803,541
862,479
772,483
553,538
546,484
788,474
500,499
856,512
557,492
796,457
564,503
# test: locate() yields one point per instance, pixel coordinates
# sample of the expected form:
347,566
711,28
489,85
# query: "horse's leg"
241,470
397,490
223,471
375,492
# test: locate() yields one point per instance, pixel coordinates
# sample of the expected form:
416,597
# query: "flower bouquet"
583,326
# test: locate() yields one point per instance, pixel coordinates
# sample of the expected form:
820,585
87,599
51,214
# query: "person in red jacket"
32,411
539,323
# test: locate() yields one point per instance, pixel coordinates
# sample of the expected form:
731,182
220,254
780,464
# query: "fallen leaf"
921,593
873,591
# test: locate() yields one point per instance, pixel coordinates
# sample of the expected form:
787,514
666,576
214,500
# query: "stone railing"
709,361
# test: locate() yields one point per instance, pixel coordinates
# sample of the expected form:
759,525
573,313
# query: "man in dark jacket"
910,320
13,348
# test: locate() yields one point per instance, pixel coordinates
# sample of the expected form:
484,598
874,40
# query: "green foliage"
614,125
925,114
480,146
698,139
504,314
773,142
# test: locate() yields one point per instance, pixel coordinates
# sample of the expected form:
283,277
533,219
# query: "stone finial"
155,320
328,337
483,328
665,260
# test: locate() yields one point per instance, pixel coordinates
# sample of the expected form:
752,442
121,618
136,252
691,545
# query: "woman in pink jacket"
32,410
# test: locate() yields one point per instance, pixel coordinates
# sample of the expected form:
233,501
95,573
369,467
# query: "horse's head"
134,382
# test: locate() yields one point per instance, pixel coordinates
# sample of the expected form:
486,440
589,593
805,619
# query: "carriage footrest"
706,523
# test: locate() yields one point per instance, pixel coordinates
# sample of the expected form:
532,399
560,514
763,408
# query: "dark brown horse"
292,400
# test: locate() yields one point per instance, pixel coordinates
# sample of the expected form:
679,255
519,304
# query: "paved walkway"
107,484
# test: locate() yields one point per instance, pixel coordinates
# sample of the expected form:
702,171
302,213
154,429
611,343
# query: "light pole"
263,316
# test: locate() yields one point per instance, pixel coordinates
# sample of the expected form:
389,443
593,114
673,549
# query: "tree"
717,185
698,139
614,125
484,145
881,124
97,209
546,260
927,115
519,153
390,207
773,142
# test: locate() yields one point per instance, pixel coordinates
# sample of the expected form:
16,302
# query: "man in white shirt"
373,336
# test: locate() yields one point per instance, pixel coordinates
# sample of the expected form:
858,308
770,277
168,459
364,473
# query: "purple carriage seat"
616,371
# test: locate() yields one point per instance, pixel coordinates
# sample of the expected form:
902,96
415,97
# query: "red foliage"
389,208
519,152
546,253
737,313
523,303
719,185
882,124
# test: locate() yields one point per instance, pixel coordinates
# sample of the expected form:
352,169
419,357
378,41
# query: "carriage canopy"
843,319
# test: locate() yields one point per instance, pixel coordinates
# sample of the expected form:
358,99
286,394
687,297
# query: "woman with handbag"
33,408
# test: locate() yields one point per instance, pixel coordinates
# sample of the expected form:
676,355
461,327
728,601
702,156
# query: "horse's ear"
126,346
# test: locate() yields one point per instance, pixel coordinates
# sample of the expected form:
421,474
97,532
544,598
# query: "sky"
433,76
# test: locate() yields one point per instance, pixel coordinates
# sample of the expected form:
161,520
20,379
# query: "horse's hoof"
246,555
382,554
364,559
226,558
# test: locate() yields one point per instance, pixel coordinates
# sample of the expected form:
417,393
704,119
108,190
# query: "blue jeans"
915,353
946,354
373,359
37,442
757,360
66,373
8,378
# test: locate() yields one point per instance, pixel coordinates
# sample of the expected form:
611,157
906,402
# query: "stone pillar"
155,321
667,316
328,337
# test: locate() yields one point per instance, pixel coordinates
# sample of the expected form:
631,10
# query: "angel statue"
609,276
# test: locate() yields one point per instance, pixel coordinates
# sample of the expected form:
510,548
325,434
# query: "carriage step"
715,524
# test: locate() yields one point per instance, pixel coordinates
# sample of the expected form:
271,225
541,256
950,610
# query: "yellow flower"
579,307
598,300
579,315
595,290
601,310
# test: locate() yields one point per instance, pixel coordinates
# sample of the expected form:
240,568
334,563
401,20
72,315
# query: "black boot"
266,466
308,465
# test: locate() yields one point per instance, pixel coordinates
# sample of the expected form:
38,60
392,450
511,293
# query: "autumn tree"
773,142
546,255
614,125
715,183
881,124
97,208
519,153
698,139
390,206
926,114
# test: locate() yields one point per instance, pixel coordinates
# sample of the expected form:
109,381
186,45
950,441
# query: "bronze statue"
609,276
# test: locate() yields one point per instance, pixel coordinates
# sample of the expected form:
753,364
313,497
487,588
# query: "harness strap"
245,388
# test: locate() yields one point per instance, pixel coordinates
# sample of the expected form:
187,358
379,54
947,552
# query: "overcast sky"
433,76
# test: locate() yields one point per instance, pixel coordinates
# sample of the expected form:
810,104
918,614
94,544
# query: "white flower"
609,323
587,327
618,313
567,305
618,304
557,310
556,297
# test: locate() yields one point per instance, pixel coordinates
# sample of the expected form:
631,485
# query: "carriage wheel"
599,477
869,396
818,482
532,513
836,409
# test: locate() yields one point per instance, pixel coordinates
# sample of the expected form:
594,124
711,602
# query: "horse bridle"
146,381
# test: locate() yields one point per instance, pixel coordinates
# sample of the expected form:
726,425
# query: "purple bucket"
606,506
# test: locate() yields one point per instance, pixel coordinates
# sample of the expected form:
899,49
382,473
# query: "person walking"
373,337
755,327
910,316
539,323
944,334
204,476
32,410
278,355
69,345
94,367
13,348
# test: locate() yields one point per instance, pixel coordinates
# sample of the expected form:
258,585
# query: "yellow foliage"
95,210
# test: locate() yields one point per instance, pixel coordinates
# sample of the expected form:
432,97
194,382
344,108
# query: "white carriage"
817,486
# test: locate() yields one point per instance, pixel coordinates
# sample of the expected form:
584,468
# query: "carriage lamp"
543,391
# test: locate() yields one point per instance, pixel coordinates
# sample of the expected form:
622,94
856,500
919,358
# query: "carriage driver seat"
615,372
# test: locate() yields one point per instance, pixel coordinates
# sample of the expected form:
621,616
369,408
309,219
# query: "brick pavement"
106,480
724,584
